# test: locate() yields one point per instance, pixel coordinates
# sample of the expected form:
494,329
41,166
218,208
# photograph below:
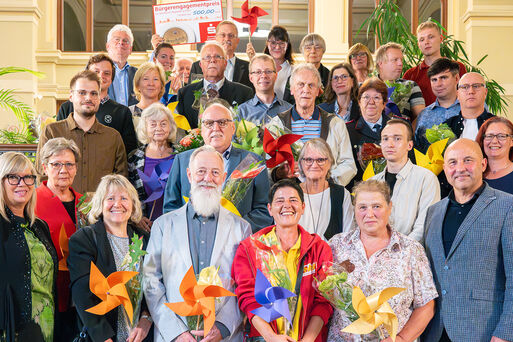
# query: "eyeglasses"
474,86
123,41
375,99
210,123
312,47
83,93
29,180
500,136
359,54
260,72
224,35
214,58
59,166
275,43
337,78
319,161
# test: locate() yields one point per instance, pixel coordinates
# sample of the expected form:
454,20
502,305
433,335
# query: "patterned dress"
403,263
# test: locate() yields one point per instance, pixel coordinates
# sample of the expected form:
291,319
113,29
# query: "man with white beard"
199,234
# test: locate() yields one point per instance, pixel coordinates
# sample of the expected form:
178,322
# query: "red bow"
250,17
279,149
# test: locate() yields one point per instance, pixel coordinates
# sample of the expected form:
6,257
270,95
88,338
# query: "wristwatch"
147,317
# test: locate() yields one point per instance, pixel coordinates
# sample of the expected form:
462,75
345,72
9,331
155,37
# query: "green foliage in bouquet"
439,132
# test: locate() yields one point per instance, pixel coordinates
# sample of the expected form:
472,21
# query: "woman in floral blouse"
384,258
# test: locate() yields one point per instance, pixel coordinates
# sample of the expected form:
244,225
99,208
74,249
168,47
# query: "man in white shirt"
413,188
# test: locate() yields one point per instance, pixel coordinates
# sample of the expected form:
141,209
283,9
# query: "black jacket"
230,91
90,244
330,108
240,72
111,114
325,74
15,280
456,122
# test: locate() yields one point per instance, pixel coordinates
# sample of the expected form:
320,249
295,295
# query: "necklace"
502,168
316,225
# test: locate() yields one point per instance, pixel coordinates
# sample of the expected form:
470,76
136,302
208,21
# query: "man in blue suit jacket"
217,130
469,243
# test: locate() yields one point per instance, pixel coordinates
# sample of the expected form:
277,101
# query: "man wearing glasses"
217,129
265,104
214,85
237,70
102,148
119,46
472,95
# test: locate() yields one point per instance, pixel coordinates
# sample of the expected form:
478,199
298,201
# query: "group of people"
447,240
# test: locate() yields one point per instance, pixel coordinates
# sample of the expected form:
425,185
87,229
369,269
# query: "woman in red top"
303,252
56,204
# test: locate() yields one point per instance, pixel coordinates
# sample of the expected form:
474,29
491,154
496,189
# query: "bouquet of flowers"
398,95
440,132
83,209
248,136
270,259
133,262
190,141
241,178
371,153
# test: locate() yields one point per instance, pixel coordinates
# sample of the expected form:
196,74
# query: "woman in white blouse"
328,208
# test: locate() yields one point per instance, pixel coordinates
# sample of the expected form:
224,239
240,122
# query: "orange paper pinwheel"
63,245
279,150
198,299
110,290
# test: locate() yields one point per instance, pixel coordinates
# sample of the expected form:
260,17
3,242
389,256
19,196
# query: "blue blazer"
253,206
475,279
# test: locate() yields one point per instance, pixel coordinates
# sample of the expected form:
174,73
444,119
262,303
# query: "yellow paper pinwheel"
110,290
225,204
374,311
369,172
180,120
433,160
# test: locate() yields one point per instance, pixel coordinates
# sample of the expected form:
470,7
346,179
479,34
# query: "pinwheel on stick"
279,149
250,17
156,182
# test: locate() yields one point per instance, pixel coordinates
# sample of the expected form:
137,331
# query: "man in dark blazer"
110,113
119,46
469,243
217,130
237,69
213,63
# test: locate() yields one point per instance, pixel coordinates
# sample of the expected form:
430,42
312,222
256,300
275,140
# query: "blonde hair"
359,47
381,53
264,58
372,185
155,111
56,146
428,24
118,182
14,162
143,69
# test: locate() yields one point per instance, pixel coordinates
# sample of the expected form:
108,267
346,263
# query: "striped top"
309,128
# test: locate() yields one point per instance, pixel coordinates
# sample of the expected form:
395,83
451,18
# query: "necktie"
377,128
212,91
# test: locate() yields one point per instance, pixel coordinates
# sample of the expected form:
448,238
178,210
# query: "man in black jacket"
214,85
110,113
237,70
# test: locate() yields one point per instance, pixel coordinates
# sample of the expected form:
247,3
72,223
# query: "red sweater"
314,251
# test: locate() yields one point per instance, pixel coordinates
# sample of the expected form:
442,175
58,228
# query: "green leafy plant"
389,25
23,134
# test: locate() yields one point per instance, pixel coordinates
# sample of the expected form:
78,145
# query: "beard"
205,201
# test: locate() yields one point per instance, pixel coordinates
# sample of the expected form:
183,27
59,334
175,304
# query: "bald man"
471,95
469,243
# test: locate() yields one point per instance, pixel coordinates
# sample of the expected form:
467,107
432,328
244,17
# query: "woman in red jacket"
301,253
56,204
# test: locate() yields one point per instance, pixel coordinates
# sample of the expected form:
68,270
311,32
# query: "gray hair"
56,146
320,146
305,66
213,43
118,182
155,111
124,28
14,162
204,148
312,39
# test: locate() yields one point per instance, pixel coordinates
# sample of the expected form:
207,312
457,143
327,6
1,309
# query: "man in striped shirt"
309,120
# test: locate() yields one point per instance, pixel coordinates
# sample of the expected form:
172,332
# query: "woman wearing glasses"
372,98
27,257
496,140
342,92
361,60
313,48
328,208
57,206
